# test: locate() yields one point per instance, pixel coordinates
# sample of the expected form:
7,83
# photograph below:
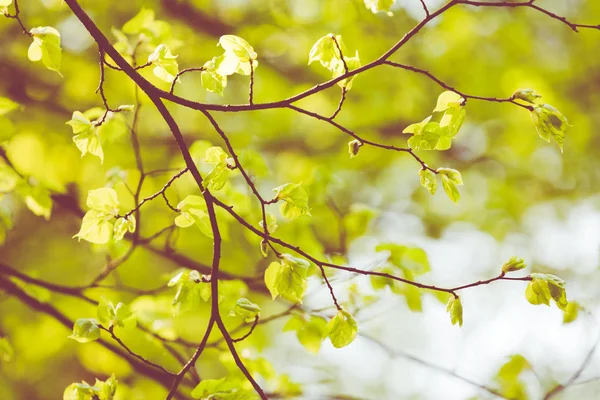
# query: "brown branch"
249,332
133,354
16,16
155,195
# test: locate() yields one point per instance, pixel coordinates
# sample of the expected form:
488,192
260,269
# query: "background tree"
249,226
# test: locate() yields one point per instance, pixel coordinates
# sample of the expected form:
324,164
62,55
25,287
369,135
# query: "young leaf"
85,330
342,329
513,264
548,121
192,210
97,226
165,63
122,226
527,95
428,180
454,308
570,312
295,200
7,105
86,136
353,147
246,309
310,333
379,6
217,177
287,278
46,47
213,82
451,178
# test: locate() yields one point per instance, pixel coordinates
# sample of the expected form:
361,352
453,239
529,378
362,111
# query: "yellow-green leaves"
46,47
141,23
450,179
239,50
192,210
549,122
37,199
225,388
454,308
4,6
190,291
239,58
7,105
513,264
570,312
428,180
122,226
341,329
100,391
353,147
436,131
546,287
217,177
85,330
7,351
295,200
507,377
379,5
527,95
97,226
335,59
86,136
165,63
287,278
246,309
111,315
310,332
406,262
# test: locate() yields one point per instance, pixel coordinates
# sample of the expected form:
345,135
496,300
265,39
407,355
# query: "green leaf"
436,131
7,351
538,292
96,227
546,287
213,82
107,388
110,315
37,200
7,105
122,226
139,23
454,308
103,200
81,391
191,292
85,330
310,333
325,51
46,47
571,312
513,264
411,260
217,177
528,95
379,5
548,121
508,378
86,136
428,180
451,178
165,63
271,223
295,200
288,278
239,47
342,329
246,309
193,211
353,147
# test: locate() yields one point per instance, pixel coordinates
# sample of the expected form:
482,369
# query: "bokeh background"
521,196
